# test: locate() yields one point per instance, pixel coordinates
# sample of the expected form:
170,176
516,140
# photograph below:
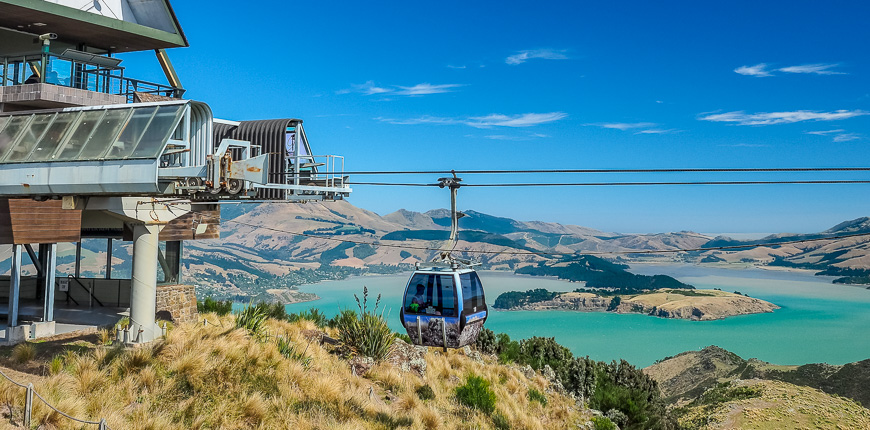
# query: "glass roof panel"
128,139
79,135
29,136
3,122
101,139
53,136
10,132
154,139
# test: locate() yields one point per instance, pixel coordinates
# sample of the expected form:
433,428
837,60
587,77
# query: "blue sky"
547,85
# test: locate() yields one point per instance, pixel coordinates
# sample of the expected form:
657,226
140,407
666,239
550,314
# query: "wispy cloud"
846,137
758,70
624,125
825,132
818,69
370,88
451,66
425,88
761,69
545,54
770,118
658,131
515,138
488,121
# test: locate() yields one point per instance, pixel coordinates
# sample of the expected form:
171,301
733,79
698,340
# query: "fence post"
28,405
103,424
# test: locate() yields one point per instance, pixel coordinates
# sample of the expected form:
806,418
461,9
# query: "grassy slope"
216,377
779,406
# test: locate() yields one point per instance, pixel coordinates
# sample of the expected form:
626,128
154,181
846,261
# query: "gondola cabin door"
443,308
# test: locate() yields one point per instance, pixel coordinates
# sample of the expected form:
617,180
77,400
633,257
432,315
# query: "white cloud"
545,54
845,137
658,131
369,88
758,70
624,125
770,118
488,121
825,132
818,69
425,88
450,66
521,120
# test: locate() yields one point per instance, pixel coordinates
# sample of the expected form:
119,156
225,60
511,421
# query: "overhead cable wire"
672,170
633,184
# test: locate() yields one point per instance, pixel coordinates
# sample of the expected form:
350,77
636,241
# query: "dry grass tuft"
23,352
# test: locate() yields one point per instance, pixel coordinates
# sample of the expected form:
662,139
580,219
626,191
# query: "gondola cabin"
444,306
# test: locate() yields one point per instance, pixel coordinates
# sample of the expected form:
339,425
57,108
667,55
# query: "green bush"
274,310
485,342
252,319
210,305
405,338
500,422
367,333
603,423
313,314
425,392
476,394
537,396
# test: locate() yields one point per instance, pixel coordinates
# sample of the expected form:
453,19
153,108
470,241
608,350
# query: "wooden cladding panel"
28,221
186,226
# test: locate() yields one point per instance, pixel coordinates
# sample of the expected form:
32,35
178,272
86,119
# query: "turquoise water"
818,322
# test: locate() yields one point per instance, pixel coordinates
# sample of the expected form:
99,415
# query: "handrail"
28,406
90,292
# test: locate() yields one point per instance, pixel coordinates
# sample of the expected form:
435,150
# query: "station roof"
109,25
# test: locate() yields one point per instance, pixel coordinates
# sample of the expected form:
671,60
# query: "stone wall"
176,303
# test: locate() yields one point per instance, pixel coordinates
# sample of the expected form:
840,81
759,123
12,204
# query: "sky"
557,85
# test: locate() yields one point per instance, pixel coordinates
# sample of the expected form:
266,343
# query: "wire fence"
28,406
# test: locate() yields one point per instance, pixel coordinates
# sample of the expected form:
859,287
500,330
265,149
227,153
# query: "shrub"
537,396
476,394
603,423
500,422
23,352
313,314
425,392
368,333
405,338
485,342
252,319
344,317
210,305
274,310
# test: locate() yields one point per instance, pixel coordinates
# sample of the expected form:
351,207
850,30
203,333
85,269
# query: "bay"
818,321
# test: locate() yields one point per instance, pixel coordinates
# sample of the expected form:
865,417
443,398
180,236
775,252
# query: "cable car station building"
89,151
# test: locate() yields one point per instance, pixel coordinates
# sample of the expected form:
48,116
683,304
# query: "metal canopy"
155,28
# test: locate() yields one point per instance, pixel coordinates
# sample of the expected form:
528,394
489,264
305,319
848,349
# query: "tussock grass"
220,376
23,352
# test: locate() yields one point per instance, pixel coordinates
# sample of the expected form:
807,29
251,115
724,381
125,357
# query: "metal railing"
28,406
316,170
67,72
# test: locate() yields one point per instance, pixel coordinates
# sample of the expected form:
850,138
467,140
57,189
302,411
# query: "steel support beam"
14,288
78,272
143,297
50,265
109,259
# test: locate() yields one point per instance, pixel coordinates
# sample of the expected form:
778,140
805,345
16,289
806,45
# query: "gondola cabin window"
431,294
472,293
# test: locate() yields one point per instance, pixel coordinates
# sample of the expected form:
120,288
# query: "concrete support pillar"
143,300
14,288
49,266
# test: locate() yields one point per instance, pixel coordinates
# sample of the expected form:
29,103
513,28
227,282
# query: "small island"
696,305
609,287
